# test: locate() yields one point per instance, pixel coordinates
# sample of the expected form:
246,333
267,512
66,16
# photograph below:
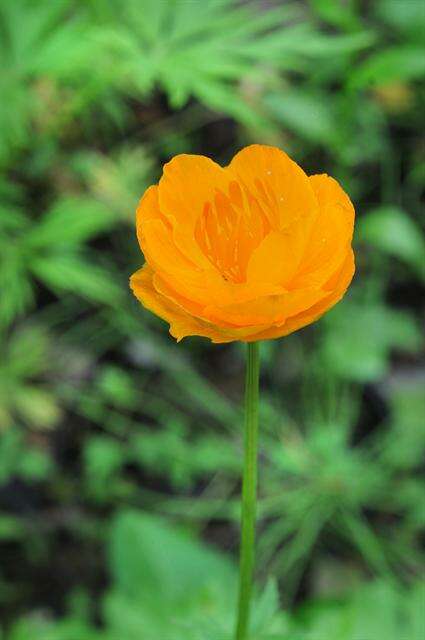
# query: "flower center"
229,229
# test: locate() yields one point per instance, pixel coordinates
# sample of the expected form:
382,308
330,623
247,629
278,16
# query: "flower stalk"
249,491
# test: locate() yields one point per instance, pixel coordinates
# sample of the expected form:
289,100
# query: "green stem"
249,491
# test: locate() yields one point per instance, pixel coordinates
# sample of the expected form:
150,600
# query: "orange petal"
269,310
275,259
147,209
181,323
229,294
328,191
161,251
187,183
278,184
312,314
331,234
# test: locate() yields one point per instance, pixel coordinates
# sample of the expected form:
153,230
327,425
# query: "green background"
120,451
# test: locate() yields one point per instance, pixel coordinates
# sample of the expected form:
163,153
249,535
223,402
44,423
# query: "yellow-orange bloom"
251,251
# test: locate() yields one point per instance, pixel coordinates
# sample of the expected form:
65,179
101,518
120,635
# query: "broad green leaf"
158,564
165,581
360,338
70,221
407,18
393,231
167,584
390,65
306,114
74,274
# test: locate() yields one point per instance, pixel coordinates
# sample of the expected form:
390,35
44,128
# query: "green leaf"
166,584
406,18
11,527
35,464
16,288
117,386
74,274
265,614
393,64
48,50
117,179
27,351
378,610
339,14
12,219
325,46
223,98
405,440
393,231
10,449
103,458
207,49
39,627
165,581
308,115
37,406
359,339
70,221
160,564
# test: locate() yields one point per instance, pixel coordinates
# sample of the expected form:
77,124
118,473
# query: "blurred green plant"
47,51
166,585
23,395
97,406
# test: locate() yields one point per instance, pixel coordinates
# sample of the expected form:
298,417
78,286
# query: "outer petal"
181,323
267,310
279,185
155,235
331,235
187,184
342,281
329,191
157,241
218,313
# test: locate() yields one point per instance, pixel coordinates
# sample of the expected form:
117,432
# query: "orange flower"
248,252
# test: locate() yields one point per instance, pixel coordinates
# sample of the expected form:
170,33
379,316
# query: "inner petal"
229,229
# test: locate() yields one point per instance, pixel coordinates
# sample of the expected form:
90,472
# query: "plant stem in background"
249,491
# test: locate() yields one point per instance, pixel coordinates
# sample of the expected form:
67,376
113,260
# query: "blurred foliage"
160,572
99,408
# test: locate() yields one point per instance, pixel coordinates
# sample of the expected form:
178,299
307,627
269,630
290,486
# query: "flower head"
251,251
